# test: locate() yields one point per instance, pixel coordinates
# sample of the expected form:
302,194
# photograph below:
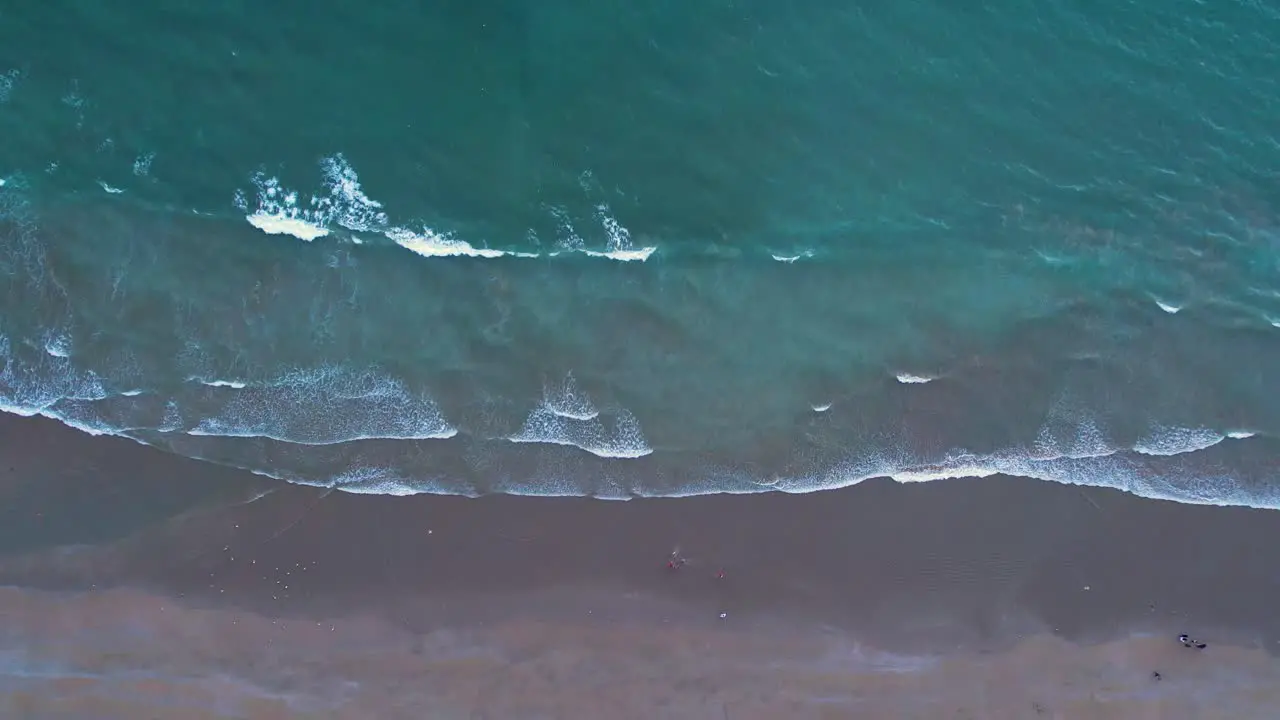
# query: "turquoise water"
651,248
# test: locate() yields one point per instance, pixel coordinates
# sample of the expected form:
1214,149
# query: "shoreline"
961,571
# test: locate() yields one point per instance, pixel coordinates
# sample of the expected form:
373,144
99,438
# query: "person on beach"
1189,643
676,561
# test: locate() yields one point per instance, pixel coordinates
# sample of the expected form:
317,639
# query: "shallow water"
645,250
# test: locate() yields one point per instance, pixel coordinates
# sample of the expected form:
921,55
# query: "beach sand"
142,584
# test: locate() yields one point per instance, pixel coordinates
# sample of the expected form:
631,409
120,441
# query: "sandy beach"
141,584
721,360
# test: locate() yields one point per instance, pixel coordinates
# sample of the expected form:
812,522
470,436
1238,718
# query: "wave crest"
278,210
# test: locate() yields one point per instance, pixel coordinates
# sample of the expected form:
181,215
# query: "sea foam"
429,243
278,210
910,379
789,259
1176,441
620,246
636,255
320,406
1082,461
566,416
330,406
235,384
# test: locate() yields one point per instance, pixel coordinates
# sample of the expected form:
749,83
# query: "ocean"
630,249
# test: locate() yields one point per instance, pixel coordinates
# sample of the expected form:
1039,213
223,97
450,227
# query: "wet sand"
145,584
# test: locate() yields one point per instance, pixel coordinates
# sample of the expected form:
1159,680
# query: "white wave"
278,211
284,225
367,480
172,420
566,416
234,384
568,235
791,258
568,401
1122,471
636,255
971,468
619,236
58,345
373,481
909,379
1175,441
429,243
821,408
625,441
551,488
1089,442
1066,465
347,204
33,382
87,427
323,406
619,240
110,189
1074,441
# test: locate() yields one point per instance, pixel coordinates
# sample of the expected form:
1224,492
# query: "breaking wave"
323,406
566,416
277,210
911,379
1175,441
326,417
